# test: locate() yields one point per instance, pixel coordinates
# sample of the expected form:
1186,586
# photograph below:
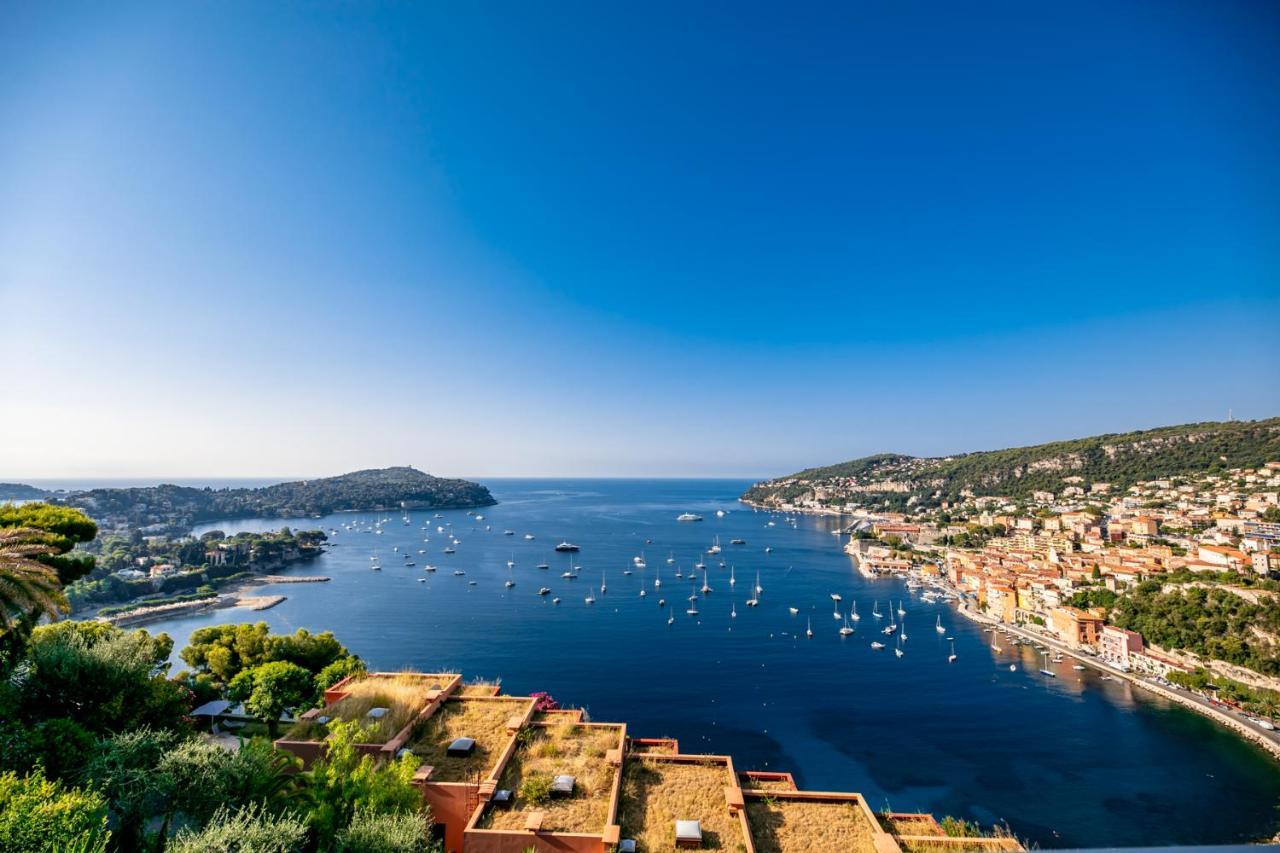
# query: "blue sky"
659,239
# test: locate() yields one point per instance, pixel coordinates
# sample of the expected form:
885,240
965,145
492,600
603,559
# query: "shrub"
536,789
249,830
394,832
39,815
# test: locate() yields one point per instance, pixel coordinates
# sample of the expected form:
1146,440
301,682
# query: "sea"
1071,761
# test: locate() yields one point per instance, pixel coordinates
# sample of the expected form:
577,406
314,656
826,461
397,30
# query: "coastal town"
1075,570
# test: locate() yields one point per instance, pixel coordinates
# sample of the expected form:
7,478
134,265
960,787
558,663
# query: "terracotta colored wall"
490,841
449,806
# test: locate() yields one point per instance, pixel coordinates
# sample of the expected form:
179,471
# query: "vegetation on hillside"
1119,459
373,489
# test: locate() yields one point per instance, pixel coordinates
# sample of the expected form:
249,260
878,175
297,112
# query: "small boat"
853,612
759,589
877,646
449,549
410,563
737,542
951,658
845,630
528,536
590,599
903,633
376,567
567,547
889,630
715,548
732,579
938,626
753,601
897,651
1079,667
568,575
688,516
422,580
657,581
662,602
603,588
699,565
875,611
1045,670
733,611
511,563
1013,668
457,573
720,513
671,558
793,610
471,583
901,612
808,630
543,566
671,620
705,589
428,568
835,596
505,532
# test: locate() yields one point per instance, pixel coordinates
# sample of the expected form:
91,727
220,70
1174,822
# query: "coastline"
233,596
1269,741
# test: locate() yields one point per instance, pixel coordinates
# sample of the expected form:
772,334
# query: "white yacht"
938,626
688,516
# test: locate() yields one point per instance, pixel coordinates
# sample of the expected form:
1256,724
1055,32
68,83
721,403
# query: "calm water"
1067,761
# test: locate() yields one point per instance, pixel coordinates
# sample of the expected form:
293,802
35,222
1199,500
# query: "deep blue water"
1067,761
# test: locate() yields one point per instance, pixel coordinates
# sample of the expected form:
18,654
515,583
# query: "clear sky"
645,238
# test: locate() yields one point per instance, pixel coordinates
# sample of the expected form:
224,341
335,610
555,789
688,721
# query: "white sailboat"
901,611
898,649
671,558
938,627
903,632
1046,668
875,610
808,629
759,589
845,630
732,579
705,588
733,611
853,611
951,658
603,588
657,578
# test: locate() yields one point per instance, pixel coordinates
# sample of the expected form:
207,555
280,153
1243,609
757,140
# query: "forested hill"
374,489
21,492
1121,459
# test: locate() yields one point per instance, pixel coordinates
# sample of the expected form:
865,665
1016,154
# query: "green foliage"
271,689
1254,700
338,670
248,830
344,780
125,771
105,678
65,527
1121,460
60,746
1094,596
1213,623
223,651
536,788
389,832
203,776
1271,514
960,828
39,815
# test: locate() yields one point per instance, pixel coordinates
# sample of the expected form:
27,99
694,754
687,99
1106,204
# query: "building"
608,792
1116,644
1077,628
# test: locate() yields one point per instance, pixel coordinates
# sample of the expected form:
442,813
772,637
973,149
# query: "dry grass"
751,783
958,845
405,694
655,794
903,824
482,719
650,749
562,748
807,826
480,688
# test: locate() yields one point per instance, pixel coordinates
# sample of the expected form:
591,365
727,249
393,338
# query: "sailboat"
845,630
590,599
875,610
808,630
901,611
733,611
715,549
657,578
898,650
732,579
603,588
705,589
951,658
853,611
693,606
639,561
877,645
903,632
938,627
671,558
511,564
759,589
1045,669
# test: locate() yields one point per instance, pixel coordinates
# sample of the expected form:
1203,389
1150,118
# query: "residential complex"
506,774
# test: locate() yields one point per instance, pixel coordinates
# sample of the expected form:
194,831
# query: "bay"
1071,761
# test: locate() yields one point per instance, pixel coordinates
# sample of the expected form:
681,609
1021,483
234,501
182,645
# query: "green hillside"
1120,459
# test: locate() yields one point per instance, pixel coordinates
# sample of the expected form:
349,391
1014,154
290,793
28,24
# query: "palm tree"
27,586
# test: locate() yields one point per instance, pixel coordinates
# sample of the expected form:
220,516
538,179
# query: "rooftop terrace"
562,748
657,792
798,824
484,718
384,703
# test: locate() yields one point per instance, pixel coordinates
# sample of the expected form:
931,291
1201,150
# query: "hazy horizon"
668,240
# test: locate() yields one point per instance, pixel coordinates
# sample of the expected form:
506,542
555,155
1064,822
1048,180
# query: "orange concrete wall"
448,801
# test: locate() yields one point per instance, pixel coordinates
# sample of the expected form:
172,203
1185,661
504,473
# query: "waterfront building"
1077,628
1115,645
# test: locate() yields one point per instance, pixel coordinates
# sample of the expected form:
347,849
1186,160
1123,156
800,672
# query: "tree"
252,829
224,651
39,815
124,770
27,586
344,780
271,689
107,679
204,776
